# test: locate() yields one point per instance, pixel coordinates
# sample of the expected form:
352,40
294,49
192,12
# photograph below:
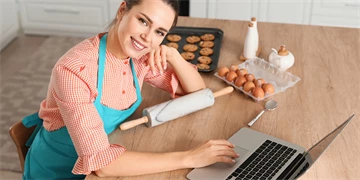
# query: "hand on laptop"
211,152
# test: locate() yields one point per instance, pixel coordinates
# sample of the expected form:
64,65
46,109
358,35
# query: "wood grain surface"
326,60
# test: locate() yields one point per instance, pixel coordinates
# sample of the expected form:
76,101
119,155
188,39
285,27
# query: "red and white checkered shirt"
72,92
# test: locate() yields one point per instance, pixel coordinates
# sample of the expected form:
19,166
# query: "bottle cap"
282,51
253,19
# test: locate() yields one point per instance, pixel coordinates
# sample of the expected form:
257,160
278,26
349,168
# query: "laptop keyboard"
264,163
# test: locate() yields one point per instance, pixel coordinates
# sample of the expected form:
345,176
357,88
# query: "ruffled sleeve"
74,95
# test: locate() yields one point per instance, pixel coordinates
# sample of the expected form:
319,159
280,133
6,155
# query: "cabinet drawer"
8,16
89,14
348,8
335,21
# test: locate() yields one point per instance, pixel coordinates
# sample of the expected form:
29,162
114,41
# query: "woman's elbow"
101,173
110,172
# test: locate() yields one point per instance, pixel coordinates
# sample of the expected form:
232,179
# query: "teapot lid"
282,51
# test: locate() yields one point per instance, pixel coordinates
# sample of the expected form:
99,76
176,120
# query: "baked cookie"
173,37
207,37
203,66
206,44
204,59
206,51
193,39
172,44
190,47
188,55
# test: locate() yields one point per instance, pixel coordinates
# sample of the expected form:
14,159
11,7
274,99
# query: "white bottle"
254,21
250,47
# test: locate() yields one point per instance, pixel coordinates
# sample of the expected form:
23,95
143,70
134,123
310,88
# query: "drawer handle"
68,11
352,4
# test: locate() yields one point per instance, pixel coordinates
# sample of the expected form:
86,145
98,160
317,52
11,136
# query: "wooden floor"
11,59
10,175
13,56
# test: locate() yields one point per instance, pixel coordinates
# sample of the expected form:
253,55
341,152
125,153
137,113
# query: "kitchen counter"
326,60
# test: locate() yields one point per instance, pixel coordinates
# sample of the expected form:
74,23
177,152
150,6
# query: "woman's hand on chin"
159,57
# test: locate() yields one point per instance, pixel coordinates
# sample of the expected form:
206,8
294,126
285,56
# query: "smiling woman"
140,25
97,84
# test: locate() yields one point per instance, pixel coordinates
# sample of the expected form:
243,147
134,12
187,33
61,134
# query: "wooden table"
327,61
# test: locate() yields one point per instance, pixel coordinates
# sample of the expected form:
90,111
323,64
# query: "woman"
96,85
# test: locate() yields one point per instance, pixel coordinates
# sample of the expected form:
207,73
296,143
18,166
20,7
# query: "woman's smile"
137,45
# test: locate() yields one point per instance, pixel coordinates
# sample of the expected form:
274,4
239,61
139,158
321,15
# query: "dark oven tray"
184,32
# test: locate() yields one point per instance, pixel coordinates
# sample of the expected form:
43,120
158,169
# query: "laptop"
266,157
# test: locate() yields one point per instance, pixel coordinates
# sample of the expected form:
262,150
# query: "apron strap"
101,66
32,120
101,69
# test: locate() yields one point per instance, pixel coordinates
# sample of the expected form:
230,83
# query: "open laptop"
266,157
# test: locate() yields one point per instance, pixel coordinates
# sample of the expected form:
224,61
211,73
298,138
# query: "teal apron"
52,154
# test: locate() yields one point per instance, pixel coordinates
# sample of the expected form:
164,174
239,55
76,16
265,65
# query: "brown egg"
249,77
268,88
259,82
234,67
240,81
241,72
258,92
231,76
223,71
249,86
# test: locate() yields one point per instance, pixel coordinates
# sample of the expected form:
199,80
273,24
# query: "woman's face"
144,27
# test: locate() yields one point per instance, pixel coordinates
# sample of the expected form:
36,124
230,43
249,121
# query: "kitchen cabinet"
64,17
198,8
290,11
230,9
87,18
336,13
311,12
113,7
9,22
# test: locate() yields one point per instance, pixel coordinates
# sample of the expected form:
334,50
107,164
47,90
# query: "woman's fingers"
157,58
163,53
227,153
211,152
151,61
225,159
220,142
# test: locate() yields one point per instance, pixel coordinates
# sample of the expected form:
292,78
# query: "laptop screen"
321,146
315,152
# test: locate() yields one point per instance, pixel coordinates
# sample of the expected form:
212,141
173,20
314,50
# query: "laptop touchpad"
241,151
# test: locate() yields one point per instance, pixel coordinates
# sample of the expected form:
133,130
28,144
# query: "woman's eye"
160,33
143,21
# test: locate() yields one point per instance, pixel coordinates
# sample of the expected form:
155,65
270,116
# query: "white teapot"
283,59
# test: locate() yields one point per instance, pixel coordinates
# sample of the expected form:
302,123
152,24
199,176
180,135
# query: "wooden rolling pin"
177,107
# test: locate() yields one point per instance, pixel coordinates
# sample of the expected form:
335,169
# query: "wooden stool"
20,135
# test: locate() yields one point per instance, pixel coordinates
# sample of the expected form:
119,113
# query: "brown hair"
174,4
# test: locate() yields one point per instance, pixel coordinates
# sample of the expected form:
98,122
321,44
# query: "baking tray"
281,80
185,31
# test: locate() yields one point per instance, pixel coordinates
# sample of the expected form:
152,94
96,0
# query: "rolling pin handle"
224,91
130,124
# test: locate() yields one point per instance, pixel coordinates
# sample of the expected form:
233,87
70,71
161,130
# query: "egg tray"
185,31
281,80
